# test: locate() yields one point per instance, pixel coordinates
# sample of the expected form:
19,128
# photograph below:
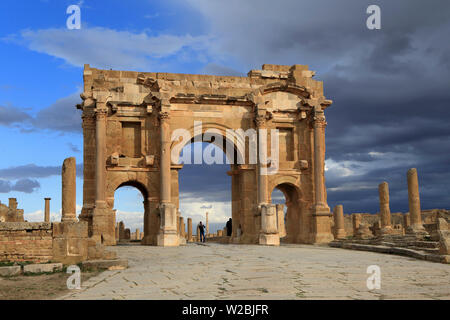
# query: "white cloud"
107,48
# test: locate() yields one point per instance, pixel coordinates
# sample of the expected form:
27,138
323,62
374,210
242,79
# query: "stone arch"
296,224
222,130
130,181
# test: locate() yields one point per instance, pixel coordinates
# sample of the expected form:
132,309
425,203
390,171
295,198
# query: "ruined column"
414,202
385,211
12,203
207,224
406,221
47,210
198,233
189,221
339,226
182,231
138,234
69,196
356,221
280,219
121,230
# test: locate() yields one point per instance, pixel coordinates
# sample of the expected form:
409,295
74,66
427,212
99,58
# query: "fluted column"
165,157
262,178
100,160
319,125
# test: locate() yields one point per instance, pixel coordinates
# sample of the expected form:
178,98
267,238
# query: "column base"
167,240
417,230
103,226
340,234
269,239
321,219
386,230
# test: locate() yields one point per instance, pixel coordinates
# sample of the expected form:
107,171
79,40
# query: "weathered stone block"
45,267
10,271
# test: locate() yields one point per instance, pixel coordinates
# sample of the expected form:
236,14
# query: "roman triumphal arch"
129,124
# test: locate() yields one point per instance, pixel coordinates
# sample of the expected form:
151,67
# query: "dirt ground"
37,287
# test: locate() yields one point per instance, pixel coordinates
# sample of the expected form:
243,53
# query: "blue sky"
390,87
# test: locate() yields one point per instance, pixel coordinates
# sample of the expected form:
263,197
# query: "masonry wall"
26,241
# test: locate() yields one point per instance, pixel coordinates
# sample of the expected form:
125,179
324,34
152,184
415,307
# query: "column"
100,160
321,216
189,234
138,234
69,196
339,225
415,215
319,125
385,211
207,224
167,235
262,149
165,158
47,210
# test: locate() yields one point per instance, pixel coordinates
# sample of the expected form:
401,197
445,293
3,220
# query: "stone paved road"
215,271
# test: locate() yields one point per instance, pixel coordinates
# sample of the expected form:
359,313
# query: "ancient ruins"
128,124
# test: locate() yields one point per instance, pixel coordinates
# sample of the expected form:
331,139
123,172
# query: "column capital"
100,113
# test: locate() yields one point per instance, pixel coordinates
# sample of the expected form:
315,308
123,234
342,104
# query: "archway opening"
289,216
129,203
205,188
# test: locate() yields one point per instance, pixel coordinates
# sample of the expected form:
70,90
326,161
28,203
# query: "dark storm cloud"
11,115
22,185
34,171
390,87
61,116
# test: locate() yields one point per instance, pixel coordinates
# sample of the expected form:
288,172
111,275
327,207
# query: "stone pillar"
117,232
356,221
189,234
12,203
47,210
406,221
339,226
103,218
207,224
181,226
165,178
385,211
416,225
138,234
100,158
262,150
121,230
269,226
321,214
167,235
198,233
69,195
280,220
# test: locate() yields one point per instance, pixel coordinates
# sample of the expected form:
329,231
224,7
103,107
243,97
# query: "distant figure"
229,226
201,227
